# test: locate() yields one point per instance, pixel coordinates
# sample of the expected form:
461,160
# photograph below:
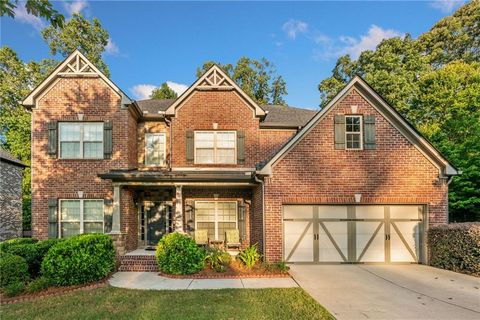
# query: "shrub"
80,259
5,245
249,256
277,266
12,269
14,288
217,259
455,247
38,284
179,254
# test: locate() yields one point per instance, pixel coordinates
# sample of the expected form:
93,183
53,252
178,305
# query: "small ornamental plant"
249,256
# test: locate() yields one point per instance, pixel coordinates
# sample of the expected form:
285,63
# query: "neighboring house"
11,173
353,182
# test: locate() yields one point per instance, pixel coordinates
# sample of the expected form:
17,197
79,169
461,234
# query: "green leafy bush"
39,284
14,289
249,256
179,254
455,247
12,269
80,259
277,266
217,259
5,245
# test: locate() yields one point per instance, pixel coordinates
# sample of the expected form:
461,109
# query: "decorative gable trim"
388,112
214,79
75,65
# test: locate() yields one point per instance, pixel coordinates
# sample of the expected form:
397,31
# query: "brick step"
138,264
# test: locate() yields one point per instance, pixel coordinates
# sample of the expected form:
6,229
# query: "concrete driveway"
391,291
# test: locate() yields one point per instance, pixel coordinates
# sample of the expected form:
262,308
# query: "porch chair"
232,238
201,237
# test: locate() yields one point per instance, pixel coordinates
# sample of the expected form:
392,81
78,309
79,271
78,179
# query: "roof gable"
215,79
388,112
75,65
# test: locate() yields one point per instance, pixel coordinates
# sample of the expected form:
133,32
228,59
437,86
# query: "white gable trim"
214,79
84,68
445,168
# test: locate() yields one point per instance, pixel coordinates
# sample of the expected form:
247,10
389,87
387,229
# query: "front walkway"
152,281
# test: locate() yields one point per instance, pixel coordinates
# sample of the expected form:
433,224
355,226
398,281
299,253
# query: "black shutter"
190,146
242,229
369,132
52,218
107,140
190,216
240,147
52,138
107,217
339,131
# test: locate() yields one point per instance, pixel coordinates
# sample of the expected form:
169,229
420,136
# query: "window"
216,217
80,216
155,144
80,140
215,147
353,132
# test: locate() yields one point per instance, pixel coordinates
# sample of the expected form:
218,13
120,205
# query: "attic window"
353,132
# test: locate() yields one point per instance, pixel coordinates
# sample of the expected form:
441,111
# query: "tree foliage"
163,92
257,78
434,82
79,33
38,8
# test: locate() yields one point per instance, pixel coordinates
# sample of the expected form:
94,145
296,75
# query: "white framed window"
81,140
216,217
353,132
215,147
155,149
78,216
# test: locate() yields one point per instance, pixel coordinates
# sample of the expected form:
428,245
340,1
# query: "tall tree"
38,8
257,78
163,92
79,33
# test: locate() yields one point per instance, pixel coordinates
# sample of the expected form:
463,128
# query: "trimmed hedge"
80,259
455,247
13,269
179,254
6,245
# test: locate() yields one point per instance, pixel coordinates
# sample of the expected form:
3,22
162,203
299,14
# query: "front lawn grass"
116,303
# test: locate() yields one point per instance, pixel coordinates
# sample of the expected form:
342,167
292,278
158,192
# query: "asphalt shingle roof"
7,157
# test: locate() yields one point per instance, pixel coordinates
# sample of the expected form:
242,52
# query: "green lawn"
115,303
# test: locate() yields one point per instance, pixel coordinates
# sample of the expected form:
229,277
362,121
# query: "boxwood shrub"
80,259
455,247
179,254
5,245
13,269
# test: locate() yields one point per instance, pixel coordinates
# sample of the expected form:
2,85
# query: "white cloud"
367,42
446,6
23,16
179,88
142,91
294,27
75,6
112,48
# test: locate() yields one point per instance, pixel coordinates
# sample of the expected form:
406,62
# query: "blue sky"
153,42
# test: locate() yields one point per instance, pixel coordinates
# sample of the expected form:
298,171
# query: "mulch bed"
234,271
52,291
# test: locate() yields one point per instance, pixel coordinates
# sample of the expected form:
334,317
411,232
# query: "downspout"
263,213
169,123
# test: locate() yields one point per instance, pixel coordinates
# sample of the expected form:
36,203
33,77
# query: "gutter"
263,213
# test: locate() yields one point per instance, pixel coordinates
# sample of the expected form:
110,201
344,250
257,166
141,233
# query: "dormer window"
353,132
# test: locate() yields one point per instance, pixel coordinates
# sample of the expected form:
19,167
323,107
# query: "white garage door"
353,234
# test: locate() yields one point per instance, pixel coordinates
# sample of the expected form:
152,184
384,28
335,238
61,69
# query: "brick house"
353,182
11,173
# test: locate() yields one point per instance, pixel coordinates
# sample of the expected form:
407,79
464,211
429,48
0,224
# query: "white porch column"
178,217
116,210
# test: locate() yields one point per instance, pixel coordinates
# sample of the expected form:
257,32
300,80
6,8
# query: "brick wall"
314,172
10,201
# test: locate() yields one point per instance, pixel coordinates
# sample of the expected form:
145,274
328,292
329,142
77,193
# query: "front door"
158,220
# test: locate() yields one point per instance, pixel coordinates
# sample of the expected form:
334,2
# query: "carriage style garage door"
353,234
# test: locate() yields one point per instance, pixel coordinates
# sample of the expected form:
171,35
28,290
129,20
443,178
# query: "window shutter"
52,219
241,220
240,147
107,140
52,138
369,132
107,217
190,146
190,216
339,131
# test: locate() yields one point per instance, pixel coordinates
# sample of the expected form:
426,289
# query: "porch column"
116,210
178,218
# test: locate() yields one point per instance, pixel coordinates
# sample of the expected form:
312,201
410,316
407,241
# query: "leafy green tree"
163,92
79,33
257,78
39,8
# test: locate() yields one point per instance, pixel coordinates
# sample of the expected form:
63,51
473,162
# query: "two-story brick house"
353,182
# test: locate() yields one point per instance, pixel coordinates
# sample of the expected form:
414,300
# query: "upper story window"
353,132
215,147
79,216
81,140
155,149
